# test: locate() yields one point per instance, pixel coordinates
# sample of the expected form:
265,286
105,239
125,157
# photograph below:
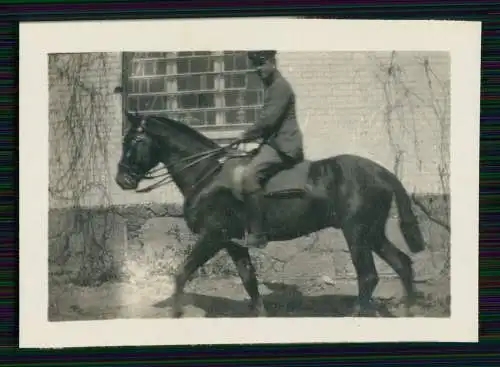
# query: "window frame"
220,130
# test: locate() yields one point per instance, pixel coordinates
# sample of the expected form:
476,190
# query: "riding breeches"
262,167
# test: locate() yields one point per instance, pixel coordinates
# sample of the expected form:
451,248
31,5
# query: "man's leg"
264,165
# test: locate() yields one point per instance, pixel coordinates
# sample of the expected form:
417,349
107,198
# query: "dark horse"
346,192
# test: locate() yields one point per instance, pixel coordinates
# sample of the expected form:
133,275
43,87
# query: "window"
208,90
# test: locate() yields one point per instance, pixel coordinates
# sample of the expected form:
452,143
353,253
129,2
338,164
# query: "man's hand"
252,133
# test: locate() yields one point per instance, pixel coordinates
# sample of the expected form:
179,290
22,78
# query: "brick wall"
341,105
103,74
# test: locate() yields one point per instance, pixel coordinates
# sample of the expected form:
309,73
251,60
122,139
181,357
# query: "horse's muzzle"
126,182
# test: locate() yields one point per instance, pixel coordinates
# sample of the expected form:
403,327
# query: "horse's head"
140,153
154,140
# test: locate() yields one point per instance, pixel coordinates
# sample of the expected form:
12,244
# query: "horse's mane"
186,129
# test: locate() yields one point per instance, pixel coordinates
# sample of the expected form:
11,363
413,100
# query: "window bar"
219,87
171,85
171,82
203,86
240,115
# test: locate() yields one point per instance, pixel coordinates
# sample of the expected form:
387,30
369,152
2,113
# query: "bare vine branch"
429,214
398,93
79,132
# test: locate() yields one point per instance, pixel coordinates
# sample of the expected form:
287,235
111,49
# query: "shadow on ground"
284,301
218,298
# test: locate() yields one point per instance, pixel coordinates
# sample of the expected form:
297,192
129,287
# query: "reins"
199,157
167,177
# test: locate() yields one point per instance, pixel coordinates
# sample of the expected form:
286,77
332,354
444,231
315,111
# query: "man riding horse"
282,144
354,194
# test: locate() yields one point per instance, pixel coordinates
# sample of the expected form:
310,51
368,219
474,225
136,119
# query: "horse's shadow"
284,301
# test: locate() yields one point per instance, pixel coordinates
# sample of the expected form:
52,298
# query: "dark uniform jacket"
277,123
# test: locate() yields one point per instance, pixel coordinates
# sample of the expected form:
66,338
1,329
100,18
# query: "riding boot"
256,234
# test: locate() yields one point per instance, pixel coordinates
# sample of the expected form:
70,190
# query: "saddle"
289,182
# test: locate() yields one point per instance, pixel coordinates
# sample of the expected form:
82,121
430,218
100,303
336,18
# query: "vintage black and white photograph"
250,183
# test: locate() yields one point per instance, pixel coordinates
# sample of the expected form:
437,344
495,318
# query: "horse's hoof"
367,313
364,312
411,311
258,311
176,314
262,313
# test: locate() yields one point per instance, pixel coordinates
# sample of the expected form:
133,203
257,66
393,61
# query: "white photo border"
37,40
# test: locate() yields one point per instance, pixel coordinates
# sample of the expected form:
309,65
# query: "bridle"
166,176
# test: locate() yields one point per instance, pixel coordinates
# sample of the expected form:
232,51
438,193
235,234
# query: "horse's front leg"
246,270
204,249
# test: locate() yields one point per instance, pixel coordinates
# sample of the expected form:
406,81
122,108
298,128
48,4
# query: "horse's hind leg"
204,249
356,235
246,270
388,252
402,265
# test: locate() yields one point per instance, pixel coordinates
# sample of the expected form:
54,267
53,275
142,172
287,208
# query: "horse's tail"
407,220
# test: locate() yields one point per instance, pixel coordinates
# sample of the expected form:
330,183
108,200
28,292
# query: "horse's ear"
141,126
133,119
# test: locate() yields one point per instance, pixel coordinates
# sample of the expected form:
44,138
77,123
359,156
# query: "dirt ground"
225,297
318,281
